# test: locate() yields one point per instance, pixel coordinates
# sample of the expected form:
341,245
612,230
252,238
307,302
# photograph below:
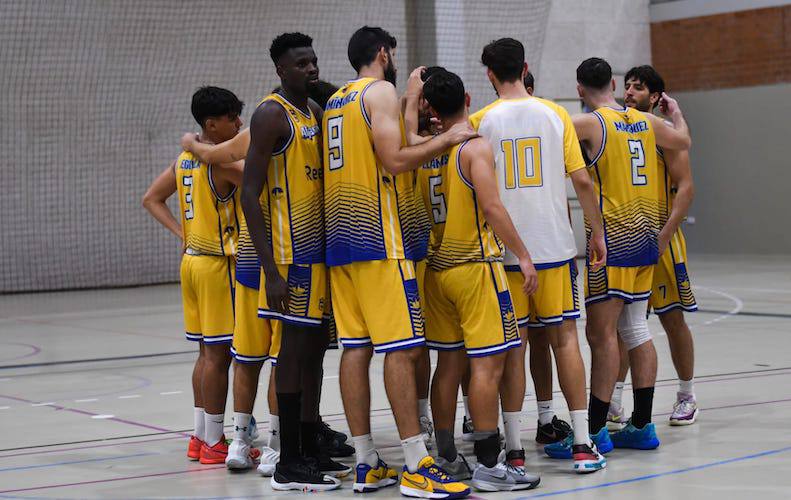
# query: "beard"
390,72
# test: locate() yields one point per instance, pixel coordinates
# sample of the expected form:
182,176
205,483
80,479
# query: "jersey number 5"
522,162
335,141
638,162
437,200
188,212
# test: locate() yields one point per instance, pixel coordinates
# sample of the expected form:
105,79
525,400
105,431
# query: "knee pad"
633,325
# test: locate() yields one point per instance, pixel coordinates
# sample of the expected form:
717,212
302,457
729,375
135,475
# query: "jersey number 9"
335,141
522,162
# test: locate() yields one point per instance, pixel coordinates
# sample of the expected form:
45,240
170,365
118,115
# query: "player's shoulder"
477,117
552,106
474,147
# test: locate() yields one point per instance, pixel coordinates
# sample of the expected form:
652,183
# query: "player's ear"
383,56
612,84
580,91
490,76
524,71
467,100
209,125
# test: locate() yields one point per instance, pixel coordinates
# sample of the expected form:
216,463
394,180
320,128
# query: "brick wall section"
737,49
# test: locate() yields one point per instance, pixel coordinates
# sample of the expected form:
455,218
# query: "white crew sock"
467,408
200,424
364,450
214,431
414,451
422,407
617,395
512,421
687,387
241,423
274,432
579,422
545,412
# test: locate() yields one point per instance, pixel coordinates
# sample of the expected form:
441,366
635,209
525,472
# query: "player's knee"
633,326
673,321
538,338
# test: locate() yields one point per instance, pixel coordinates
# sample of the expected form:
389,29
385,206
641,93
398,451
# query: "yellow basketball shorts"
252,336
671,287
469,306
628,283
377,303
556,299
207,292
307,290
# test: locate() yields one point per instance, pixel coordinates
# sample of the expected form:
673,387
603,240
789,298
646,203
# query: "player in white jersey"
536,147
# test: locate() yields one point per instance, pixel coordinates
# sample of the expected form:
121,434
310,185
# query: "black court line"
95,360
181,431
747,313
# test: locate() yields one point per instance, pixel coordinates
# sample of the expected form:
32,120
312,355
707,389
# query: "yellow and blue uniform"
210,222
468,304
373,232
627,182
671,287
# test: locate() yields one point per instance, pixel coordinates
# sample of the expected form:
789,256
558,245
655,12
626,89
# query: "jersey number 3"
188,212
335,141
522,162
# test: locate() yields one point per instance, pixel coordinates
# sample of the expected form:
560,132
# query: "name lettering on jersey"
436,162
631,128
314,174
310,132
190,164
339,102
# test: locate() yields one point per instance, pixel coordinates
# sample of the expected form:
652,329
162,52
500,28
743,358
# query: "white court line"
738,305
129,396
88,400
330,376
102,417
767,290
4,379
4,407
168,393
43,404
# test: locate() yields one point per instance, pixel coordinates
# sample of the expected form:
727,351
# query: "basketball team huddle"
396,225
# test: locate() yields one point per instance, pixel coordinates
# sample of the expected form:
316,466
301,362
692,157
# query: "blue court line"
661,474
41,466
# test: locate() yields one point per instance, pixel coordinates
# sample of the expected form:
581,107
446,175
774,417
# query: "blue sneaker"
562,449
638,439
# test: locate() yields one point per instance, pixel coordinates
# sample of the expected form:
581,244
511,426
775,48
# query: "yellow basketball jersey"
459,231
434,210
210,222
370,214
293,201
627,181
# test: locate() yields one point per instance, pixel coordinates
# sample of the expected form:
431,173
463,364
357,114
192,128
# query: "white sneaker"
240,455
616,420
268,460
427,429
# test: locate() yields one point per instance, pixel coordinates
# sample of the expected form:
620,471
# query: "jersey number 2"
638,162
188,212
335,141
522,162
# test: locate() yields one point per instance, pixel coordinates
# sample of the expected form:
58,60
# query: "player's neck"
298,99
512,90
603,100
206,138
371,71
450,121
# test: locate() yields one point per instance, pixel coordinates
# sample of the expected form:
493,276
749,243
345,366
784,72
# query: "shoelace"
438,472
684,405
561,425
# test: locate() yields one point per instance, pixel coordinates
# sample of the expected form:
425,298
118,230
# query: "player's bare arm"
411,107
676,137
589,131
229,172
156,197
225,152
382,104
583,186
477,164
268,128
677,164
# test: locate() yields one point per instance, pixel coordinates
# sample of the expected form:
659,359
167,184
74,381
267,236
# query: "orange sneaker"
193,450
215,454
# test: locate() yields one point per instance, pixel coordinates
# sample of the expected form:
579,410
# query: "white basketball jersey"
535,146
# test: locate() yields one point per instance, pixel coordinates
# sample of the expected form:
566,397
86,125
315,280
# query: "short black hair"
211,102
506,58
321,92
530,81
444,91
287,41
648,76
365,44
430,70
594,73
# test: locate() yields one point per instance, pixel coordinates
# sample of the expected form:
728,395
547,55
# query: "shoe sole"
588,467
416,493
691,421
651,445
371,487
302,486
212,461
338,474
615,426
238,463
266,470
487,486
467,438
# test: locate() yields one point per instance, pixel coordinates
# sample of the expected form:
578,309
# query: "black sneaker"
553,432
467,430
301,476
330,433
326,465
333,443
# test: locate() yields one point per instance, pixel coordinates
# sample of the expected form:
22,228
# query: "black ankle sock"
487,450
643,406
310,444
597,414
289,409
